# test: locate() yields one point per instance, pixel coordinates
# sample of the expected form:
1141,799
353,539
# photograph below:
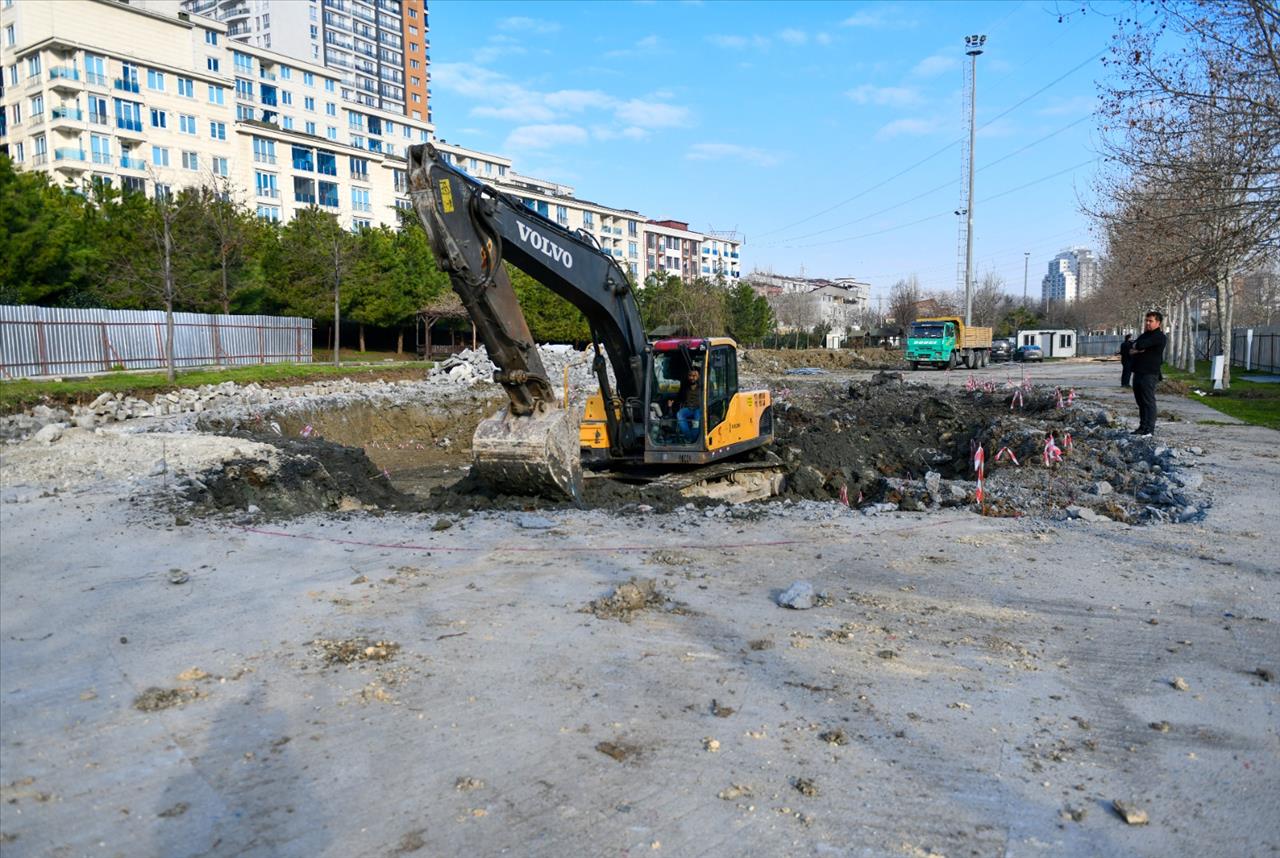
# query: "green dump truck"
946,341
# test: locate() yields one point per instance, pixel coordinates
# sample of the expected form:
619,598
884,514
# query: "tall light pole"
973,47
1026,266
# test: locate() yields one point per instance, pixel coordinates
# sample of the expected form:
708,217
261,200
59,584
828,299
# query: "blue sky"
827,133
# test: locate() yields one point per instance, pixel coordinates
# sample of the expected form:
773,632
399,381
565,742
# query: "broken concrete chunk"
800,596
48,434
1130,813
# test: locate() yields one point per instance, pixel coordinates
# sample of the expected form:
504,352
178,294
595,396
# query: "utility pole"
973,47
1026,266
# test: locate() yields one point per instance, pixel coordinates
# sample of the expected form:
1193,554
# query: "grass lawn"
1253,402
19,394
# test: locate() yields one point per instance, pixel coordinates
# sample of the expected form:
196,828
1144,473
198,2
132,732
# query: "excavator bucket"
534,454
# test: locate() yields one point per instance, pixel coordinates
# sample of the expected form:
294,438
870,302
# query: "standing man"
1145,358
1126,360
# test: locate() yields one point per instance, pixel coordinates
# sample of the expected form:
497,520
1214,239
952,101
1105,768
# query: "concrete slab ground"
974,686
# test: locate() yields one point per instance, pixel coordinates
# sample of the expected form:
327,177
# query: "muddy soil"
883,441
773,361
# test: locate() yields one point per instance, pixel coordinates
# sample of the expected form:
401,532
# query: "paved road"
978,681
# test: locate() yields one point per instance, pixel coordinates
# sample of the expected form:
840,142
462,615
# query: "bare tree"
1193,125
904,296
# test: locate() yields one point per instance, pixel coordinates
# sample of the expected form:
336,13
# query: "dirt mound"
630,598
307,476
779,360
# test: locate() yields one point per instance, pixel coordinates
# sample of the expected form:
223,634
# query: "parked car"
1028,353
1001,350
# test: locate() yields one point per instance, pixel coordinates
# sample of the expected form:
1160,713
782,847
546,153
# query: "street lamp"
1026,266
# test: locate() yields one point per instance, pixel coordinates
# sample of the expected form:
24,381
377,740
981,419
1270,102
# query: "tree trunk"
226,296
337,322
362,348
170,372
399,341
1227,340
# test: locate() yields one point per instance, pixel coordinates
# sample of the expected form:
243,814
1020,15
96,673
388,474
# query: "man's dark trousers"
1126,370
1144,393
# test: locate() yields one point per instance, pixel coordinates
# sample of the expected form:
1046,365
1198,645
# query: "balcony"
68,154
126,84
64,78
129,127
40,159
127,163
269,193
66,114
96,79
266,75
236,13
96,118
306,199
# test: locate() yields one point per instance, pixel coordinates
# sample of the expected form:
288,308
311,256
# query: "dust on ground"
631,598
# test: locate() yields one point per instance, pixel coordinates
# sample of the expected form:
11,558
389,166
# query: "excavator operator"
689,406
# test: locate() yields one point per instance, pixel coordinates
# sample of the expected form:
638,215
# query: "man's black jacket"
1150,347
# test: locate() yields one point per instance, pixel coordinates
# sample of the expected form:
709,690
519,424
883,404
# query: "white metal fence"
39,341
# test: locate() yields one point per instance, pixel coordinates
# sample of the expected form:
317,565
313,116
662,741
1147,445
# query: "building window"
244,89
219,166
286,73
37,106
264,150
326,163
159,156
128,115
190,161
186,87
328,85
308,103
359,168
270,213
331,132
330,108
361,223
360,200
210,37
10,37
632,249
266,184
304,191
33,66
211,63
155,80
159,118
562,214
307,77
100,149
215,95
631,229
328,194
303,159
287,123
286,97
163,192
218,130
311,128
186,123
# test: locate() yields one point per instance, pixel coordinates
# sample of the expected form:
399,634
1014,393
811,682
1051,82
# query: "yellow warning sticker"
446,196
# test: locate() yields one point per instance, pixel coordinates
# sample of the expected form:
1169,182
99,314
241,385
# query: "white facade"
1072,275
1055,343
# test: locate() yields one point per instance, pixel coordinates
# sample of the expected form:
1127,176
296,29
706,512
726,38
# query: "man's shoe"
1143,434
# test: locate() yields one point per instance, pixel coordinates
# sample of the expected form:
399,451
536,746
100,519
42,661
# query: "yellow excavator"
673,402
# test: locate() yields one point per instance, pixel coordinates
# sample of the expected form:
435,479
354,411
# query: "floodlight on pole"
973,48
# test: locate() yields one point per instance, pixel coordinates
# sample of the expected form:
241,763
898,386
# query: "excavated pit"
879,444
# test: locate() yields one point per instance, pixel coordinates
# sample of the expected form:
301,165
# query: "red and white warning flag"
844,495
1051,452
306,431
979,458
971,385
1057,392
1005,451
1016,399
1071,396
1066,442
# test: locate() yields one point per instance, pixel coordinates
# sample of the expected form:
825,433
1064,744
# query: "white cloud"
648,45
895,96
878,19
514,113
731,152
648,114
577,100
822,38
908,128
935,65
738,43
545,136
522,24
794,37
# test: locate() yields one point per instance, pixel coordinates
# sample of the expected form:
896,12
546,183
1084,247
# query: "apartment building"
151,102
379,48
1073,274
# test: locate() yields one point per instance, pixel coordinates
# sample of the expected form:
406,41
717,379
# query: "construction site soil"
877,443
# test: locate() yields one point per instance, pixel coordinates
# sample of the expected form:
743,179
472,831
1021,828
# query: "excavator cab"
694,413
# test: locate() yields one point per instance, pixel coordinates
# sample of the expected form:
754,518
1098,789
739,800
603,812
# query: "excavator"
653,412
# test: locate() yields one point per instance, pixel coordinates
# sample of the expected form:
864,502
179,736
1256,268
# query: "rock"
84,421
933,485
1130,813
1102,488
48,433
800,596
535,522
1179,684
807,480
1195,451
158,467
252,509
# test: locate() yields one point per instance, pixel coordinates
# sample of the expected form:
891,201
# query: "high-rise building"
380,47
1073,274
